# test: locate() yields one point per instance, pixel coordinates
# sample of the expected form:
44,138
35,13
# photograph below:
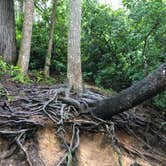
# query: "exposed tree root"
39,107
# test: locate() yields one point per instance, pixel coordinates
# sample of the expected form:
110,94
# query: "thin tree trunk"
74,72
21,6
21,9
145,89
24,53
7,31
145,47
51,36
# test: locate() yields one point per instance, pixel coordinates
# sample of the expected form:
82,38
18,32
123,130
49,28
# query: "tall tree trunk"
51,36
7,31
74,72
24,53
21,8
145,89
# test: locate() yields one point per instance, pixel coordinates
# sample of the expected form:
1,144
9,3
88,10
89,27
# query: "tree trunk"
21,8
145,89
51,36
7,31
74,73
24,53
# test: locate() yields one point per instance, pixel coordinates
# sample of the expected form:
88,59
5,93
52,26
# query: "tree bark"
24,53
7,31
74,72
51,36
21,8
145,89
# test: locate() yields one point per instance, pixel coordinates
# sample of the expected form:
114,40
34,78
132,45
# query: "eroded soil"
137,139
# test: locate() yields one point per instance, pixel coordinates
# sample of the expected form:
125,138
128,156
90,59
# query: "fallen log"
143,90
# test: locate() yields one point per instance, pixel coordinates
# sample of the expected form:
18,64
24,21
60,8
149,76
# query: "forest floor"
43,125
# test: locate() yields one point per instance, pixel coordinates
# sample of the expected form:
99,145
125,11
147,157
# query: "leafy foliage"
15,73
10,70
119,47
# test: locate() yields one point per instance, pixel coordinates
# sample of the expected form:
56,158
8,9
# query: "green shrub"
12,71
160,101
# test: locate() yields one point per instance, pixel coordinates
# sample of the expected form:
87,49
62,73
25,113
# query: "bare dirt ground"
39,126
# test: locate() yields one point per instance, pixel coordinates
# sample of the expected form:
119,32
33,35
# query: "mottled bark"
21,9
24,53
145,89
51,36
7,31
21,6
74,72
